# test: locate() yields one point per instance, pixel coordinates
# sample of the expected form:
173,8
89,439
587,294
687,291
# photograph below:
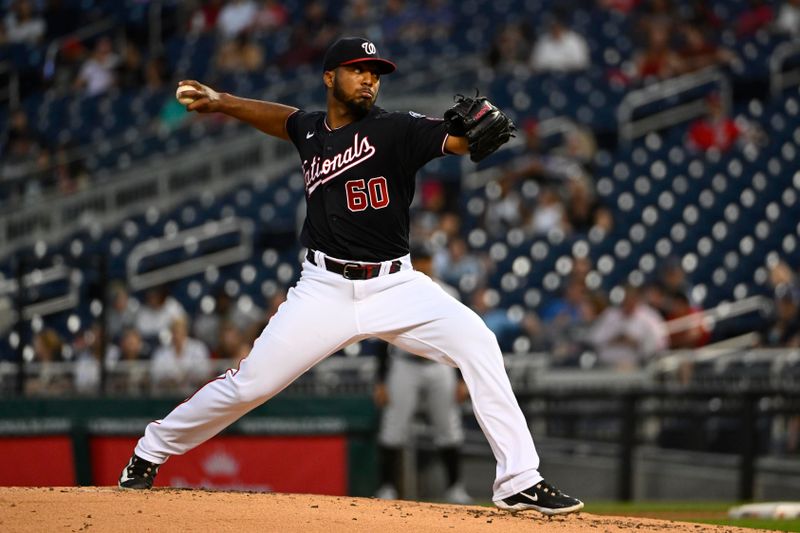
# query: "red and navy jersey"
359,180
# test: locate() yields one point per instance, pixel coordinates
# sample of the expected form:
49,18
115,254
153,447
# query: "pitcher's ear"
328,77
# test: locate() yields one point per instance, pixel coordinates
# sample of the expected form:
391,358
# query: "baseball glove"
485,127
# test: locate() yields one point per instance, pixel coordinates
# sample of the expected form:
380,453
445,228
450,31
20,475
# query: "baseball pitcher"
359,163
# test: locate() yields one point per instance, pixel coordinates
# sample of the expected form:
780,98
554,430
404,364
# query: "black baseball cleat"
541,497
138,474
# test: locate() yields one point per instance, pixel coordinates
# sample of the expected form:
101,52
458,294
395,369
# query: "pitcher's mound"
109,509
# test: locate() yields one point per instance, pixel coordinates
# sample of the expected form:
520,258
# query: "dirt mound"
110,509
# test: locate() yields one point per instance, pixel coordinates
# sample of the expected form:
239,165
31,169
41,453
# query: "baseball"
185,100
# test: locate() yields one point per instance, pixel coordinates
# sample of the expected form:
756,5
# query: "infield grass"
703,512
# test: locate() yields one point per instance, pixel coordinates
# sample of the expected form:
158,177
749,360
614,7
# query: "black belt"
354,271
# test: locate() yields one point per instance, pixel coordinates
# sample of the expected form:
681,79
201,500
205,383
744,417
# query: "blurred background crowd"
571,243
65,76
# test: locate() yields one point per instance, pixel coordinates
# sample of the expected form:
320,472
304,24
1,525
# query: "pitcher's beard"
358,107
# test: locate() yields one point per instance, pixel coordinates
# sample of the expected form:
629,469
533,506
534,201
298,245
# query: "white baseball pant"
325,312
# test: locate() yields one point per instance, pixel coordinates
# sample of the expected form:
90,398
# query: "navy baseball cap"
355,50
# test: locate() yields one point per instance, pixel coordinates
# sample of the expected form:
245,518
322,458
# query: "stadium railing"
690,87
781,78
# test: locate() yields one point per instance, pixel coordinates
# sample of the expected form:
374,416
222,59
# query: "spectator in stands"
507,327
122,311
559,49
584,210
272,15
566,320
243,314
699,52
457,266
510,49
129,347
23,24
311,36
573,306
672,279
788,19
157,314
780,273
362,17
506,211
627,335
783,330
90,352
449,228
204,19
556,158
48,378
19,128
549,213
172,115
127,371
183,364
717,131
235,17
690,332
96,75
758,15
69,172
655,296
581,267
129,72
433,211
658,60
232,344
240,55
578,144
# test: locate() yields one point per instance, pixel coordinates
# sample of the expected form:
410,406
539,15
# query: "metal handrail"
778,79
39,277
630,129
209,230
84,33
723,311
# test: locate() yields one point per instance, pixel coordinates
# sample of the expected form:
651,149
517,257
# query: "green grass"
703,512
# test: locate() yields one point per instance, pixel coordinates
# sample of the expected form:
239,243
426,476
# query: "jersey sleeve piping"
286,124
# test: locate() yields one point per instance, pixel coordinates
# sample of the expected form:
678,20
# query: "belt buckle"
345,271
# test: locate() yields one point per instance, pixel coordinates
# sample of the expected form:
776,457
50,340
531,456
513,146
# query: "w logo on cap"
348,50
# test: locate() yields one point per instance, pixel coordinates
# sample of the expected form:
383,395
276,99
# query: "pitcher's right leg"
271,366
316,320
